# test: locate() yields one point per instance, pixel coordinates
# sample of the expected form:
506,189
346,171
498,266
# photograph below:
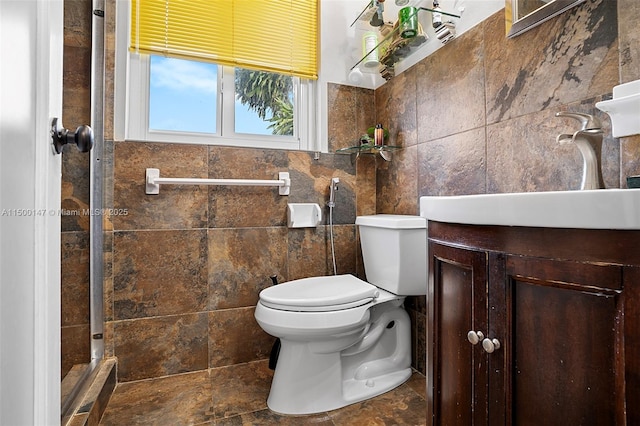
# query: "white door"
31,40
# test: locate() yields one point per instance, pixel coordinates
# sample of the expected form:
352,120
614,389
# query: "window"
182,95
178,100
185,99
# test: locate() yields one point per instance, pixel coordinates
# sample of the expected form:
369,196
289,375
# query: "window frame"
131,104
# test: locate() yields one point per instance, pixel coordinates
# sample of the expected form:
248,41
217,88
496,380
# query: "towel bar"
153,182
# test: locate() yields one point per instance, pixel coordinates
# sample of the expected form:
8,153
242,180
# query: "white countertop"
591,209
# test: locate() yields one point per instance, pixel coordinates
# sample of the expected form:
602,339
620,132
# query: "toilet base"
299,400
359,390
308,380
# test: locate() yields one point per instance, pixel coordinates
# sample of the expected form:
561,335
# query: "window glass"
182,95
264,103
248,121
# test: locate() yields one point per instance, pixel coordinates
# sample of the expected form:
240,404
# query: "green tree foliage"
266,92
282,120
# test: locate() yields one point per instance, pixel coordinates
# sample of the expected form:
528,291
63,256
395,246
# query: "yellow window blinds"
268,35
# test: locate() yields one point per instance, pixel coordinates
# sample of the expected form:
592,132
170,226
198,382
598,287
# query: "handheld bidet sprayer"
332,203
333,188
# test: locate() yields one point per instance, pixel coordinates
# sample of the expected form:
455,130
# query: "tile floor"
236,395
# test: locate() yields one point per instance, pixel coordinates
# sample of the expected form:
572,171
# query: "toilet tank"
394,249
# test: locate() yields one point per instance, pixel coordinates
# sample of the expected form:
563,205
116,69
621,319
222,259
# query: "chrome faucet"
589,141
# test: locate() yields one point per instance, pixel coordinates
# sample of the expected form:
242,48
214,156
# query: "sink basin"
594,209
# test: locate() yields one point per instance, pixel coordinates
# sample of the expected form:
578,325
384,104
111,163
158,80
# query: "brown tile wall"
477,116
474,117
188,264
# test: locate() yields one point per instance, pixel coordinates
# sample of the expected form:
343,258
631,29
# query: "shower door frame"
97,211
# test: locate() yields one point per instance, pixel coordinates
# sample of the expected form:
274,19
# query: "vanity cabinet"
533,326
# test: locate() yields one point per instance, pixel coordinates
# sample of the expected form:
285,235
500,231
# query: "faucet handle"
587,121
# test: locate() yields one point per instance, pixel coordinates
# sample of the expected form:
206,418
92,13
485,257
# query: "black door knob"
82,137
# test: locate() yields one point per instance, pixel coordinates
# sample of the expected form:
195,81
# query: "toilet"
344,340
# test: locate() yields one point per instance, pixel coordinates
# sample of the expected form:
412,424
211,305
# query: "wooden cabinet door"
563,342
457,302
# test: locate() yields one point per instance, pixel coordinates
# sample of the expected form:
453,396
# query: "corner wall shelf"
384,150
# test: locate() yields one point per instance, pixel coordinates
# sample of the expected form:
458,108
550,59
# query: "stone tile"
161,346
107,184
523,155
241,388
310,251
307,252
241,262
346,249
74,191
418,332
77,72
418,383
365,185
312,179
246,206
159,273
454,165
107,275
351,111
239,397
175,400
402,406
76,98
268,417
177,206
397,183
630,147
450,88
571,57
235,337
416,303
341,116
77,23
109,61
396,108
74,278
420,346
629,39
109,339
75,346
365,112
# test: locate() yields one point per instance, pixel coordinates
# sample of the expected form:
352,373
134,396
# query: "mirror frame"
516,27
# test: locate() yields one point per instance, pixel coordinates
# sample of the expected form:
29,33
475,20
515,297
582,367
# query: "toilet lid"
315,294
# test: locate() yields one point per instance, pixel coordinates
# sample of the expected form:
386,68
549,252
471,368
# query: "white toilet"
344,340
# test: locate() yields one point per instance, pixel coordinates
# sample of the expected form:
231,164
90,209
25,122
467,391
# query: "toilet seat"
319,294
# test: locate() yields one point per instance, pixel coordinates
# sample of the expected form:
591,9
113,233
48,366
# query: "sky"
183,98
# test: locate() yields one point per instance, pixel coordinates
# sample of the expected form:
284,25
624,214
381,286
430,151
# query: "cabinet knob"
475,337
490,345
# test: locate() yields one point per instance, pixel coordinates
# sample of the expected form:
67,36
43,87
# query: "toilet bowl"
344,340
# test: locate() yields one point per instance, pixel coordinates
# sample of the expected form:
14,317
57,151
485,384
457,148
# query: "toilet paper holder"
303,215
